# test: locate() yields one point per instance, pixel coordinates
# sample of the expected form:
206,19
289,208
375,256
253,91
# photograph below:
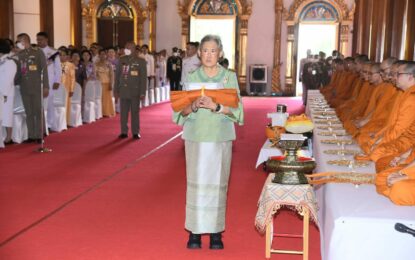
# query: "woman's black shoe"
216,241
195,241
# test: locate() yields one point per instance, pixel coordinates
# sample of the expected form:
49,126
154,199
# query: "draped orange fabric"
328,90
401,118
226,97
345,92
338,85
360,103
401,192
345,106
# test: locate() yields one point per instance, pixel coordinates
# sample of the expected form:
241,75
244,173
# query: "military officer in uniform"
174,70
130,87
32,67
54,74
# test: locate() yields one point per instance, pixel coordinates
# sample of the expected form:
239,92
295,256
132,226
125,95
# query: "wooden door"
106,32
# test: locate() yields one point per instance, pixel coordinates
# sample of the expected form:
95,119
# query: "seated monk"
401,122
352,124
343,108
329,91
378,119
359,104
344,91
398,183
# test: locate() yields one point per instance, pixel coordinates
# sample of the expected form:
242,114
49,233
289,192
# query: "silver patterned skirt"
207,170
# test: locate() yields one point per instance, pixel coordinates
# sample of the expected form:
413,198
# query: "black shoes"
216,241
136,136
122,136
195,241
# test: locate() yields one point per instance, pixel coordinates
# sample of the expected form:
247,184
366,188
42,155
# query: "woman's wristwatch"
218,108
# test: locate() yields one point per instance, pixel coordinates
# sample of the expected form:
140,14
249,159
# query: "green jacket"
131,77
208,126
32,66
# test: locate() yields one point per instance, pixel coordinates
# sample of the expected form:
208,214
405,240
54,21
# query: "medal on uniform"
24,68
134,73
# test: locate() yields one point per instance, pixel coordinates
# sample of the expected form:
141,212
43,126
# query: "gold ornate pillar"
276,80
242,42
183,12
291,60
152,8
88,14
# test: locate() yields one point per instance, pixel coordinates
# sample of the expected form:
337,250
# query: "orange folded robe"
344,93
401,192
226,97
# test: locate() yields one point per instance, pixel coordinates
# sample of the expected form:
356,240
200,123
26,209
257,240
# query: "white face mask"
176,54
20,45
127,52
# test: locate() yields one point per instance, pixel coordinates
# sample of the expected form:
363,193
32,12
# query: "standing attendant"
174,70
130,87
208,131
105,75
54,74
33,67
8,70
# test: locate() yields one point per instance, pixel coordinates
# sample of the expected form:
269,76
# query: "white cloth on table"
356,222
207,170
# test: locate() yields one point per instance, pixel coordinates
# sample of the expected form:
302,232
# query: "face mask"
176,54
20,45
127,52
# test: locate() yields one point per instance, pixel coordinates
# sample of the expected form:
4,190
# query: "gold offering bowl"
290,169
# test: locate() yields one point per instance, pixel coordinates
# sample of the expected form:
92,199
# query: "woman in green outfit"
208,131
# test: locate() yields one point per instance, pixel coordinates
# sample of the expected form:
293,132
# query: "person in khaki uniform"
130,87
32,66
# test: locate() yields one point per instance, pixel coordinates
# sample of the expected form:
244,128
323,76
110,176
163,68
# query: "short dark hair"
24,35
144,46
4,46
11,43
87,51
43,34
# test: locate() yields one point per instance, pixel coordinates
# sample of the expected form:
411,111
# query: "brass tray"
348,163
333,141
341,152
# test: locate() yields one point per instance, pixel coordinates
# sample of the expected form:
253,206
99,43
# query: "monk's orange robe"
359,105
345,106
333,81
379,116
336,85
344,92
401,192
401,121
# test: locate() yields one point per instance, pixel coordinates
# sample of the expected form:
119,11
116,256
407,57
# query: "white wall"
61,23
26,17
169,25
261,31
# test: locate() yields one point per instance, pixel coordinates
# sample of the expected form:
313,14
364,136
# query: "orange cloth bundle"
226,97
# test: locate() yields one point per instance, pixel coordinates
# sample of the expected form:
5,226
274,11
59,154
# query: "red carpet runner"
95,197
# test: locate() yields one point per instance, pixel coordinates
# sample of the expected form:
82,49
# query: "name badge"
32,67
174,67
134,73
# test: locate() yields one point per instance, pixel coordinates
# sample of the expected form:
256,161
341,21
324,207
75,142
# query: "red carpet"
95,197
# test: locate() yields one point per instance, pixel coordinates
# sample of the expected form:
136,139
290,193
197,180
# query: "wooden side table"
300,198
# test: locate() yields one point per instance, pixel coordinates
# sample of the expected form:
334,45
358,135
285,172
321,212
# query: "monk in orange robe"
345,89
380,115
338,77
401,122
398,183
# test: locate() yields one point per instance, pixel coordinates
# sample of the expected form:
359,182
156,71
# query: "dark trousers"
33,105
127,105
175,85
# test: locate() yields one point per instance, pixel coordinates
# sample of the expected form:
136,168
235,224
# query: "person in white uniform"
54,73
150,66
8,70
192,61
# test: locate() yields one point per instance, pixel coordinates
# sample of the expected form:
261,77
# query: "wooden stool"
269,235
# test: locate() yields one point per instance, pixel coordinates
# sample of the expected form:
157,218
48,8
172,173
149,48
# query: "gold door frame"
244,12
292,18
89,15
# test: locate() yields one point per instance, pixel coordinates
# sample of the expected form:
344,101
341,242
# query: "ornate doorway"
237,10
128,24
309,12
115,25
